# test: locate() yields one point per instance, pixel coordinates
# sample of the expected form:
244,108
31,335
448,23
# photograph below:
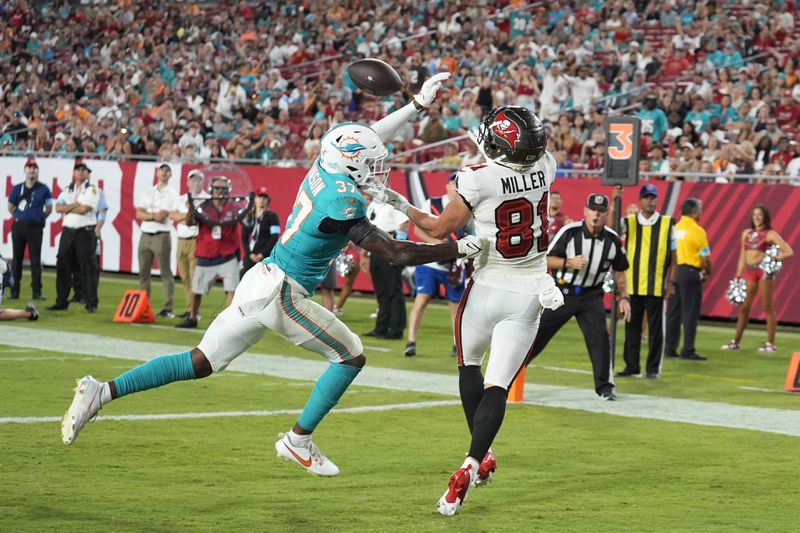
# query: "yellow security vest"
648,251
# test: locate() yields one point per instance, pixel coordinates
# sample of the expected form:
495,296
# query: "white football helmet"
357,151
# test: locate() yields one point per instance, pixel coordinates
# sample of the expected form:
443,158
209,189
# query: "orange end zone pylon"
793,375
516,393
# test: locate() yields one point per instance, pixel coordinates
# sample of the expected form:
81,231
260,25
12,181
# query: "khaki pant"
186,263
158,246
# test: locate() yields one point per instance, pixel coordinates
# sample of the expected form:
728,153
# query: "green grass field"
558,469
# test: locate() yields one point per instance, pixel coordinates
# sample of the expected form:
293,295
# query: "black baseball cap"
597,202
79,163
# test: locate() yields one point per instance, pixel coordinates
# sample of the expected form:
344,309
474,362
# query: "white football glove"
394,199
472,247
429,89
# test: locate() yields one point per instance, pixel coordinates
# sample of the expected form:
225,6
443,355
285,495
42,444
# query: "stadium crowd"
714,83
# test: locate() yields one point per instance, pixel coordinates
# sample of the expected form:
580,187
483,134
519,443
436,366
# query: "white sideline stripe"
770,420
560,369
220,414
759,389
203,330
47,358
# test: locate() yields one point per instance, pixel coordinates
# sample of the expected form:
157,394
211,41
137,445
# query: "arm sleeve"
141,202
467,188
274,223
355,229
705,249
391,123
90,197
102,204
13,198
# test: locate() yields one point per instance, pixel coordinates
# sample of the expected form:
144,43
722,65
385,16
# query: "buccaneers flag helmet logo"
506,129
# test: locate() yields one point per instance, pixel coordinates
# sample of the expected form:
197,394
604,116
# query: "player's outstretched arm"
377,241
455,215
390,124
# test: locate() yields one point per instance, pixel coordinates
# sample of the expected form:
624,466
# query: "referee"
579,257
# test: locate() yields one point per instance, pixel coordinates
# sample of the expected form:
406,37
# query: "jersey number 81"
514,220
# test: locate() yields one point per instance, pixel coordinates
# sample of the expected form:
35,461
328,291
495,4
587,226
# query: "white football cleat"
457,489
308,456
486,469
84,407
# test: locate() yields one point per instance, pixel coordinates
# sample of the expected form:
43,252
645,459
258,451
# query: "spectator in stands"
584,89
78,98
432,129
654,120
555,91
656,161
785,152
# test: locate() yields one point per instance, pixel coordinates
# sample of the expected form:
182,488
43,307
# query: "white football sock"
471,461
298,440
105,394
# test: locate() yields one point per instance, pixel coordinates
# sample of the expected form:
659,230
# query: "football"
375,77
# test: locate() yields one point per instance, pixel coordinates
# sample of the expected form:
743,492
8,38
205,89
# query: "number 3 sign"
622,151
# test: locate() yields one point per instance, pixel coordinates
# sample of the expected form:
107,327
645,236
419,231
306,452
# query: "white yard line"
218,414
560,369
781,421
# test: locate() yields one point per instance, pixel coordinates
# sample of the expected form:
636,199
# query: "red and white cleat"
486,469
457,490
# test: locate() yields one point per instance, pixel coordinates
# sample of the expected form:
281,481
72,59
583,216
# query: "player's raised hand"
429,89
394,199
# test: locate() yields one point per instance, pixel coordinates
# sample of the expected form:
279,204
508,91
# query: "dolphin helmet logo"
506,129
349,146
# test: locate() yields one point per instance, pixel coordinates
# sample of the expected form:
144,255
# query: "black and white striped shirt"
601,252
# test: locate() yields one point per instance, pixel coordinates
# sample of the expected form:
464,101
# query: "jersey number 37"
515,234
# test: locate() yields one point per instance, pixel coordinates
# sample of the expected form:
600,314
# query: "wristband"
101,216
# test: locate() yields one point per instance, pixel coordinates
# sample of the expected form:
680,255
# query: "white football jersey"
510,210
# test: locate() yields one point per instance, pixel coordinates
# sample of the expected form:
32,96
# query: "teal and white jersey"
304,252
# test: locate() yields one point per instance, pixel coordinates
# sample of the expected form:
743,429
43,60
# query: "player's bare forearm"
455,215
427,222
406,252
